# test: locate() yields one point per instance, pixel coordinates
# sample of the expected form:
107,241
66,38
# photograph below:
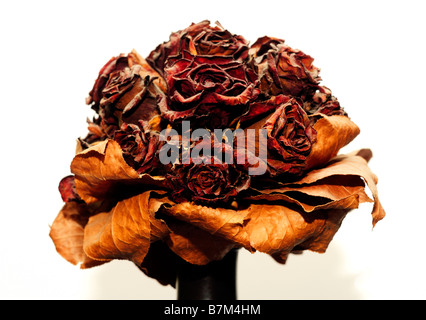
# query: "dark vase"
214,281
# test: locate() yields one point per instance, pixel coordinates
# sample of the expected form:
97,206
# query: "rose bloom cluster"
122,202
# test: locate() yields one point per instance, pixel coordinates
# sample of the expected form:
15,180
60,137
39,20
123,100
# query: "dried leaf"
333,133
341,182
332,188
227,223
277,230
67,233
194,245
101,171
323,229
124,232
273,229
351,164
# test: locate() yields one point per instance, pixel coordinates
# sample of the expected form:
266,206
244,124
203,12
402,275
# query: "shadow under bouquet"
207,145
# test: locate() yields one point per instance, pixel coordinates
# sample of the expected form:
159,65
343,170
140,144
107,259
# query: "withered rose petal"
263,45
260,109
332,134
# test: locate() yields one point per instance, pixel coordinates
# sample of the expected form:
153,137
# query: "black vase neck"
214,281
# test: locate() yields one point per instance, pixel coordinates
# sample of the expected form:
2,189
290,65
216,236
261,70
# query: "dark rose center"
210,77
207,181
293,135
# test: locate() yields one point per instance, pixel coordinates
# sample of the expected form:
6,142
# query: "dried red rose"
140,148
126,90
262,108
127,97
211,90
290,139
114,64
283,70
199,39
208,179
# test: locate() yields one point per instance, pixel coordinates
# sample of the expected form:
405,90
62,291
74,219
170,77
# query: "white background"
371,54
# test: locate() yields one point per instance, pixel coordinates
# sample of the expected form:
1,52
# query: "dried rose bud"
199,39
213,90
140,148
290,139
283,70
67,189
